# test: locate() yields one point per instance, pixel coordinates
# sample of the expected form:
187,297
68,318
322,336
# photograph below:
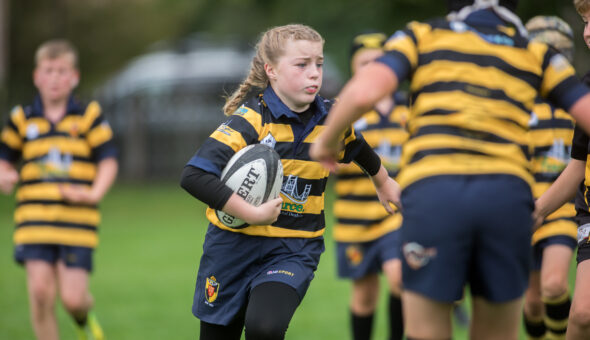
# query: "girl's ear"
270,72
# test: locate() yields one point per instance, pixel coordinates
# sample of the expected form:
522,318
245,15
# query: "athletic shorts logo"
354,254
417,256
211,289
583,233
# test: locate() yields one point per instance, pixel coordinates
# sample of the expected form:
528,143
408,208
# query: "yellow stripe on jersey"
472,43
252,117
547,137
361,186
56,213
265,230
405,45
41,147
459,164
99,135
359,210
42,126
313,135
567,210
78,171
395,136
92,112
281,132
12,139
487,77
229,137
510,152
558,70
55,235
304,169
17,117
39,191
559,227
462,103
363,233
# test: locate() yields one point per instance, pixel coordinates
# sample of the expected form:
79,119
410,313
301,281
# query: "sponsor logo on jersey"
291,190
32,131
211,289
583,233
354,255
417,256
269,140
241,111
55,164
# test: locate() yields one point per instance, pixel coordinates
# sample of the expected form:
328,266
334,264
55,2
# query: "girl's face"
56,78
586,19
364,57
297,75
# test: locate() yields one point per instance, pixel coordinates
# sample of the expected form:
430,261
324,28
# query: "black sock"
396,320
362,326
534,329
81,321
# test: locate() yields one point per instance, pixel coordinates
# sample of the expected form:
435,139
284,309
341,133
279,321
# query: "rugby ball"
254,173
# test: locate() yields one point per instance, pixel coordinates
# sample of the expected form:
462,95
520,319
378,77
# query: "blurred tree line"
110,32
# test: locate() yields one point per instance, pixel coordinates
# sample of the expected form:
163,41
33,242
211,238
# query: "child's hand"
77,194
266,213
324,153
389,193
8,179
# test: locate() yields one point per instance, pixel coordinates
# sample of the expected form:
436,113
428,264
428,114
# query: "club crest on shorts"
211,289
417,256
354,254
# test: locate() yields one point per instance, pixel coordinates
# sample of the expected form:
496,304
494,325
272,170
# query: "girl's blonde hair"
582,6
269,48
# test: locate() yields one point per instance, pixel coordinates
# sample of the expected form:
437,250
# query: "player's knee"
553,287
364,302
264,330
580,316
42,296
74,301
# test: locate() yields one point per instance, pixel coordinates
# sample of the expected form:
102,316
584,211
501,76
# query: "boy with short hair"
68,163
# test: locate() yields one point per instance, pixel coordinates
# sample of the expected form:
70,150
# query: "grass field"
145,270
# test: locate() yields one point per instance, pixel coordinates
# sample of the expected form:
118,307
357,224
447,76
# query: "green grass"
145,270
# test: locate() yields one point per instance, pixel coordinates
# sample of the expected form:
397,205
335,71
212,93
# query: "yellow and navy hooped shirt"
473,87
360,217
266,120
551,133
66,152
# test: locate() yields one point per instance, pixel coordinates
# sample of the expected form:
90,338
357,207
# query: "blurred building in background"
163,104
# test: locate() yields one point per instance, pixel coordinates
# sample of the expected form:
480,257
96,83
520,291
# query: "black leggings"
270,308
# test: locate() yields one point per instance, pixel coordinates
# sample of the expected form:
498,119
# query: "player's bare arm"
8,177
266,213
105,176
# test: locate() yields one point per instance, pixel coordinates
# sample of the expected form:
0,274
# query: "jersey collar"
73,106
278,108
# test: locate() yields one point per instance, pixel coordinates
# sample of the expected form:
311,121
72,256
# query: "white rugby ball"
254,173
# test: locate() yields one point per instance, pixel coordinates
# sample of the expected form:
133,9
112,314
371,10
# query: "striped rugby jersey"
265,119
66,152
473,87
360,217
551,133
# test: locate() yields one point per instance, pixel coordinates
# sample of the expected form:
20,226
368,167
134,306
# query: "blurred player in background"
367,236
466,198
256,276
575,180
547,299
68,163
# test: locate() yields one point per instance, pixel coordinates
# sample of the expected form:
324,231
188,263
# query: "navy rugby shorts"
73,257
233,264
467,230
359,259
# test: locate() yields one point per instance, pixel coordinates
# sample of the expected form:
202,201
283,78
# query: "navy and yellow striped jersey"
265,119
66,152
581,152
473,87
360,217
551,133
